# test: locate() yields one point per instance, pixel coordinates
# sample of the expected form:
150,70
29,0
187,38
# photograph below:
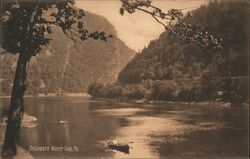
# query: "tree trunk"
16,107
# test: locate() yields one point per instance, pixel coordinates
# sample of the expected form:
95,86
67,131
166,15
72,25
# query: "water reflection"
162,130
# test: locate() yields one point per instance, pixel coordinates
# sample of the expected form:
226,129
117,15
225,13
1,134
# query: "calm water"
152,130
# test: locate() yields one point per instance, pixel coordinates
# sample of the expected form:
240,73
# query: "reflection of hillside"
151,130
66,121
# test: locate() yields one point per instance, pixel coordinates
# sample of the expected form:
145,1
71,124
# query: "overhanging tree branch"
164,25
174,21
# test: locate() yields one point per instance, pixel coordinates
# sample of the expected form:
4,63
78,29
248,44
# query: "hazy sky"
138,29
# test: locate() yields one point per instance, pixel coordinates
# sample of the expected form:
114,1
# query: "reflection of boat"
119,146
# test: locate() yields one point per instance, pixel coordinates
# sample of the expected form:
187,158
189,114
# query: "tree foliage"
25,26
91,61
174,21
169,56
26,23
172,69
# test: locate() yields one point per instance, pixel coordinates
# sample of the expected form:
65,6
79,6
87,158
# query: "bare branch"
164,25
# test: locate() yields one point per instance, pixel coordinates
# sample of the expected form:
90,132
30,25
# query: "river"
151,130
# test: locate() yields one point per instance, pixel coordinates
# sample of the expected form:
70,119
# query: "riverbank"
53,95
144,101
21,153
27,122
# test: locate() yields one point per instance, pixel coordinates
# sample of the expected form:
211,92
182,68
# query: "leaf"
81,12
122,11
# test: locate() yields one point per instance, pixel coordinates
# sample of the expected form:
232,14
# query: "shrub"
235,90
95,89
134,91
112,90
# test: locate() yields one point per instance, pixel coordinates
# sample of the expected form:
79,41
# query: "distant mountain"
61,68
171,69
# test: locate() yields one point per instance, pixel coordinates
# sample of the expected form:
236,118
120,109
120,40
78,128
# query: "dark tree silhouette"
26,23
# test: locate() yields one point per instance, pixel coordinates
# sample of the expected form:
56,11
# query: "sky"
137,29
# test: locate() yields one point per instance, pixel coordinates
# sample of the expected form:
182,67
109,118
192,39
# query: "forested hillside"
60,67
171,69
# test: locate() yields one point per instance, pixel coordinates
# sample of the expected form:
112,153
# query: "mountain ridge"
172,69
59,67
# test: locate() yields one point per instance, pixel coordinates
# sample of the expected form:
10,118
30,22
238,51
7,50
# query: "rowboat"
119,146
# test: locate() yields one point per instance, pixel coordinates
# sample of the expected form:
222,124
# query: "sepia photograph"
120,79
